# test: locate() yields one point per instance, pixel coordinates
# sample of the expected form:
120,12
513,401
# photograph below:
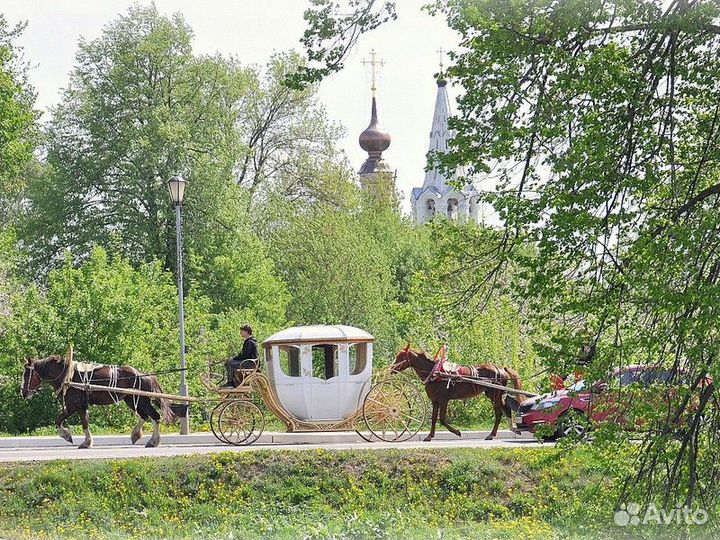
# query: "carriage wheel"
394,411
215,422
241,422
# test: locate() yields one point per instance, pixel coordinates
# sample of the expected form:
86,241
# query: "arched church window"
430,209
452,208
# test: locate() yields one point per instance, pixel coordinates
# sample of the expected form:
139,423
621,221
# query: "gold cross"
441,52
373,62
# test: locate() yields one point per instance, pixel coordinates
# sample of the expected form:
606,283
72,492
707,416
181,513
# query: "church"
436,196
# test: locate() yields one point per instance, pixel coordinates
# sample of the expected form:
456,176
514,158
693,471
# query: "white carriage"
320,373
319,378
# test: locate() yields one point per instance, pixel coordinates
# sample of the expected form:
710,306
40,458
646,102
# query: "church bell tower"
376,176
438,196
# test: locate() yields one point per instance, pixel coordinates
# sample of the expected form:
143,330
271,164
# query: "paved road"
40,450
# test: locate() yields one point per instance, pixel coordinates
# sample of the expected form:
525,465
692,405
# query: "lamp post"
176,186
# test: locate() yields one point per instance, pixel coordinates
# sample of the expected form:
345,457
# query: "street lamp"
176,186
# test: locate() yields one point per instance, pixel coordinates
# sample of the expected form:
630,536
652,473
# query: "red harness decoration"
442,366
440,358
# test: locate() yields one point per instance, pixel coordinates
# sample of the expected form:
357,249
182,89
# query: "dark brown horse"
440,392
54,371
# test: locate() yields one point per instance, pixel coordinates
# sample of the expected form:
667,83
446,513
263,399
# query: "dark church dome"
373,140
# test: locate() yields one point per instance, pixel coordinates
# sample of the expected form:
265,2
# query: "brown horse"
54,371
440,392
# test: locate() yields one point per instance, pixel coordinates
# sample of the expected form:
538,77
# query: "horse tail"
508,399
166,411
515,378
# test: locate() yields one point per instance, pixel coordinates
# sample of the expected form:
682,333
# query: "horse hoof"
457,433
152,444
490,437
427,439
135,437
85,445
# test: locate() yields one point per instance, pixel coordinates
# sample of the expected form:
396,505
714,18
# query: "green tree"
287,137
140,107
599,122
110,312
18,129
231,266
335,270
603,120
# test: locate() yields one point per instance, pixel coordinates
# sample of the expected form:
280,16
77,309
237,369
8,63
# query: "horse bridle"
27,386
395,368
34,374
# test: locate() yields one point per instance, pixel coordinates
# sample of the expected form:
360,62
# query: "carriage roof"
319,333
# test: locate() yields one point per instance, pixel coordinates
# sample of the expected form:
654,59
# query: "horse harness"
87,374
444,369
27,387
454,373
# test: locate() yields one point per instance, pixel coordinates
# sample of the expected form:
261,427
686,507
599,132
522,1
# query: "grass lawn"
440,493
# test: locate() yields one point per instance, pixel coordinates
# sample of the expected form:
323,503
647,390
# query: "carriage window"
324,361
358,353
290,360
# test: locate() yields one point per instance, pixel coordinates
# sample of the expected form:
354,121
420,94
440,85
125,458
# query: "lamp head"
176,187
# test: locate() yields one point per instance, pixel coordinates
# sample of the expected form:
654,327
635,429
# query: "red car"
573,409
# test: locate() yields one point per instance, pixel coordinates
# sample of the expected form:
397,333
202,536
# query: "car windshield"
577,387
629,377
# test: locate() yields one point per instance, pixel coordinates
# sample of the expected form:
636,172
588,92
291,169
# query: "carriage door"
324,388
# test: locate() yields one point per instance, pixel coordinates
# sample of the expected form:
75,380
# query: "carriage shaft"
482,382
136,392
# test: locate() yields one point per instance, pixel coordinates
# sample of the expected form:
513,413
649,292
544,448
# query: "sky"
251,30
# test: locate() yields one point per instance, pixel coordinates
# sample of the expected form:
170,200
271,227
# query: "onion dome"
373,140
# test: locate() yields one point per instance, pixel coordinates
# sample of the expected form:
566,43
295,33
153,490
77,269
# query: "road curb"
269,437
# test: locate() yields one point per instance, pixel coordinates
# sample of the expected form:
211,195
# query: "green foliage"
333,29
140,107
114,313
453,493
18,129
598,121
346,258
107,309
335,271
19,416
231,266
449,302
110,312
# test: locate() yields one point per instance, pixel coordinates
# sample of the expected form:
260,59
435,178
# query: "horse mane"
42,363
423,354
